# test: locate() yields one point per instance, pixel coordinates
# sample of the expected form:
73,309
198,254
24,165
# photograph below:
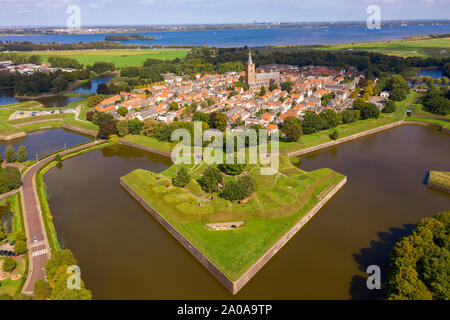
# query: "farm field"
416,47
120,57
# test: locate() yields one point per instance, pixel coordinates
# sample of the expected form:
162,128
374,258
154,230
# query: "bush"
20,247
182,178
390,107
210,179
334,135
9,264
232,169
237,190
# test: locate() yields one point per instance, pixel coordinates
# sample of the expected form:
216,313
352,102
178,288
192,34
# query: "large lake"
125,254
254,37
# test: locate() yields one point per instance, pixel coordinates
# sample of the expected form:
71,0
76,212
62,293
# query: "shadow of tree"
376,254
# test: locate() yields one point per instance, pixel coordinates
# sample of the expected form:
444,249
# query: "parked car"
12,243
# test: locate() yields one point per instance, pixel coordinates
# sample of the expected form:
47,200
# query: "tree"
135,126
182,178
122,128
174,106
107,128
240,189
20,236
287,86
10,179
390,107
58,158
200,116
20,247
59,258
349,116
419,263
369,110
398,87
210,179
330,118
10,153
9,264
292,129
42,290
94,100
262,92
122,111
218,120
312,123
22,154
100,117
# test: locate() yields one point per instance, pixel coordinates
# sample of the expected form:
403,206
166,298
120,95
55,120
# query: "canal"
125,254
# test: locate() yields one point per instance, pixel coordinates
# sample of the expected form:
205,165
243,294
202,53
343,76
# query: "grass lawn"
5,127
440,178
345,130
279,202
149,142
9,286
417,47
120,57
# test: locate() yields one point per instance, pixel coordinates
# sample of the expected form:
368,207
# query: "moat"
125,254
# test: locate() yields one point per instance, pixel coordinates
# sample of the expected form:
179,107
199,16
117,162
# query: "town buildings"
179,96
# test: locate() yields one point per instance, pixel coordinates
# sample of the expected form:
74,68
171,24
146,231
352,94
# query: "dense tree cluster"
40,82
57,277
420,263
437,101
10,179
64,62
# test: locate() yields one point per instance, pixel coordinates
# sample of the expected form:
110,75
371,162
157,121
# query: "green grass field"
440,178
120,57
345,130
9,286
416,47
279,202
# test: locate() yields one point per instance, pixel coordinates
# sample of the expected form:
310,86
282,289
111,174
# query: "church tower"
250,78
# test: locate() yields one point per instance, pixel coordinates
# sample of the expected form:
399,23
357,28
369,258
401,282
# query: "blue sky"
148,12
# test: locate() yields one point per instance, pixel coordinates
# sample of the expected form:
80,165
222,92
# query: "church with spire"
257,80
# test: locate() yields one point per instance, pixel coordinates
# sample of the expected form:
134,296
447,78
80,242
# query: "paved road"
39,250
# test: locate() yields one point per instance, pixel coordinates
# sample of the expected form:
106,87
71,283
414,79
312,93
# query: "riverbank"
439,180
282,204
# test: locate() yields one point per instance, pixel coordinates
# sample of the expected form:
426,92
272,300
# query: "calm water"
433,73
91,86
7,97
45,142
255,37
125,254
